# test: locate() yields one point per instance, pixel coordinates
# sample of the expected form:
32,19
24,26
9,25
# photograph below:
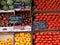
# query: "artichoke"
5,7
26,2
3,2
11,7
17,0
23,0
28,7
10,2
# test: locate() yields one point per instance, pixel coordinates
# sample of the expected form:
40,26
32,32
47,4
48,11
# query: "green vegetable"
5,7
11,7
3,2
27,3
10,2
28,7
17,0
23,0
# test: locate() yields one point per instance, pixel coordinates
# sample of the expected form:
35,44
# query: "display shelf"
12,11
40,30
47,20
15,29
6,11
25,9
4,37
48,11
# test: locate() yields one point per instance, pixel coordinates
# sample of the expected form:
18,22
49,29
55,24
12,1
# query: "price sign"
39,25
15,20
18,5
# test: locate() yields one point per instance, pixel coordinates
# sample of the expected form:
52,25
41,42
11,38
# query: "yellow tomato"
21,41
28,35
24,41
2,42
17,35
17,39
28,39
17,43
22,44
28,43
9,40
23,37
22,34
7,43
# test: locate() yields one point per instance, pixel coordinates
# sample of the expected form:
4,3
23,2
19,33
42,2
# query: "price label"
39,25
18,5
15,20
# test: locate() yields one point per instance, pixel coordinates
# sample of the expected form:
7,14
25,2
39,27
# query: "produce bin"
6,38
46,5
46,21
23,38
46,38
4,17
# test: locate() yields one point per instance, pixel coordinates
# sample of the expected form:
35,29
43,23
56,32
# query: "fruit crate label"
18,5
15,20
39,25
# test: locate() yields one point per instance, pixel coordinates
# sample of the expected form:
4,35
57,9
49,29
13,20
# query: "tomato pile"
22,39
46,38
52,19
46,4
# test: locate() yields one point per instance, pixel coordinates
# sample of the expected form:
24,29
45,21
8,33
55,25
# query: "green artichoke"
17,0
11,7
26,2
3,2
10,2
5,7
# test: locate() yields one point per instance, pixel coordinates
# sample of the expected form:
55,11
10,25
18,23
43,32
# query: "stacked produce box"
46,22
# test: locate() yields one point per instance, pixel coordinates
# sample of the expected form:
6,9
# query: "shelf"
46,11
7,11
15,29
12,11
47,30
25,9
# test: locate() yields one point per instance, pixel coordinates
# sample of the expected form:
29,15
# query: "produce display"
26,17
29,22
7,42
43,5
9,4
46,38
6,38
4,20
22,38
52,20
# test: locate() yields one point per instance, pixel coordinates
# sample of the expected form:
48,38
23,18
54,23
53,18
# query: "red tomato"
37,17
38,44
36,20
33,36
37,33
35,42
